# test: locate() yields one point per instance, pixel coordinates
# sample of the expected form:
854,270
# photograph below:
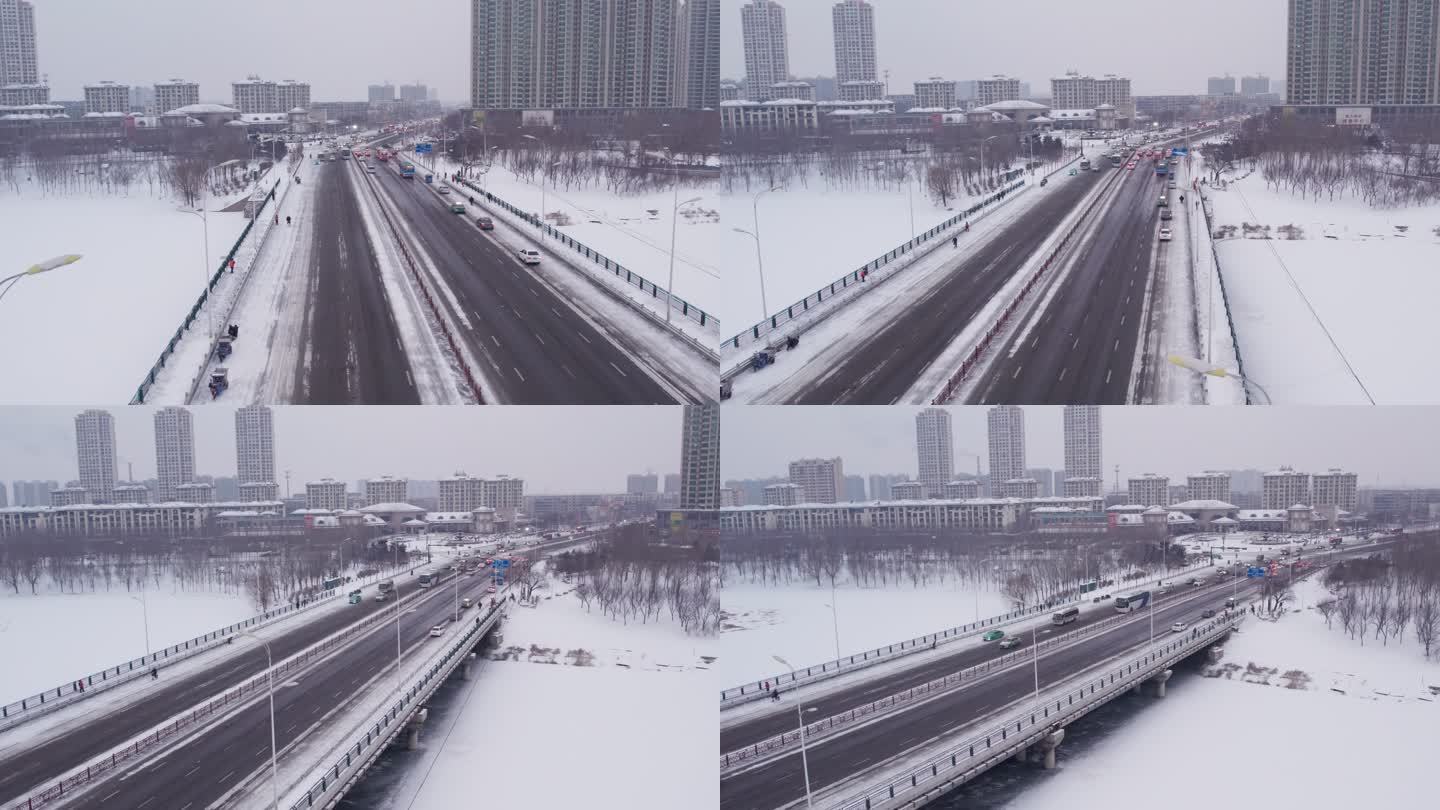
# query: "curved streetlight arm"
274,761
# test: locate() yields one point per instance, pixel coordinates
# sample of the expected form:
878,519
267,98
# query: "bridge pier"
1048,746
465,667
412,729
1160,680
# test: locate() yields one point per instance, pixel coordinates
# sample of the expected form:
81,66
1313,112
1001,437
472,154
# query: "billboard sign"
1352,116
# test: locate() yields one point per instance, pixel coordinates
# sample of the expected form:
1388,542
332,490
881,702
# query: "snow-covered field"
1358,734
636,727
1368,274
54,637
794,623
90,332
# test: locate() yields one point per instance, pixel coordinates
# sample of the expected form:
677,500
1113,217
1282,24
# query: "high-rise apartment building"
174,94
697,55
1220,86
993,89
1334,488
291,95
960,490
527,54
934,444
935,92
767,57
1254,85
1044,480
1209,485
18,61
461,493
174,452
1076,92
1006,433
700,457
387,489
1149,490
327,493
784,495
1363,52
881,485
381,93
95,452
822,479
253,95
414,93
1082,487
1083,442
854,26
503,493
107,97
642,484
910,491
255,453
1284,488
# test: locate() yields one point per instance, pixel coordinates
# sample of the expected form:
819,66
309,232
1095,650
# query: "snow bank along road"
835,759
887,362
534,348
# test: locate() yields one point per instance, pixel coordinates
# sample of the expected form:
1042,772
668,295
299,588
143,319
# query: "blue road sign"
1254,571
1179,151
502,564
423,148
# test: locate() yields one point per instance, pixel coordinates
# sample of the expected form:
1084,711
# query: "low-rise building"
107,97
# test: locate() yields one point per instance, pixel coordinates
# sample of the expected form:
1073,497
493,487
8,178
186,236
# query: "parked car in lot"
1011,643
1179,627
485,223
994,635
528,256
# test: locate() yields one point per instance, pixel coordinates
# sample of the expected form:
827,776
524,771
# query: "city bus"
1132,602
1065,616
387,586
426,580
407,169
1115,161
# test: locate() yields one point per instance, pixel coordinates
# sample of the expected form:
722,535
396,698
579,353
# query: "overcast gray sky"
1163,48
339,47
1390,445
555,449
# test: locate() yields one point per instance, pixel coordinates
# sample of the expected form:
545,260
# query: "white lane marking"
1017,371
617,368
497,341
1108,372
568,371
1062,372
537,337
582,337
518,374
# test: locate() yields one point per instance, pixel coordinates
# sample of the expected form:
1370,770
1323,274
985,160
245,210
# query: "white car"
1179,627
438,630
528,256
444,189
1165,235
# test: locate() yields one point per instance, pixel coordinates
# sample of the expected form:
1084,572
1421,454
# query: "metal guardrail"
977,754
103,766
620,271
20,711
144,388
843,284
757,690
1224,297
791,739
371,742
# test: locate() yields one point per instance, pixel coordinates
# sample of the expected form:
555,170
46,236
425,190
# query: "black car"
1209,614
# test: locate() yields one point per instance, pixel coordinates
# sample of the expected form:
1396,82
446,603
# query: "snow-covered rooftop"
390,508
202,109
1206,504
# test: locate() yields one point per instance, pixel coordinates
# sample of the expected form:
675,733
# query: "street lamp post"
759,257
804,755
36,269
270,687
982,155
674,220
835,621
145,615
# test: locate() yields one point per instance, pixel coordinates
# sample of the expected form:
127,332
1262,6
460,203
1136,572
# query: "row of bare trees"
1032,570
1384,598
630,579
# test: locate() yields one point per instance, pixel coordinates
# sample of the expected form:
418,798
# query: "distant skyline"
1391,446
1035,40
556,449
339,48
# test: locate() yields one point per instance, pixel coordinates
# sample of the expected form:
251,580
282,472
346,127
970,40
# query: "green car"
457,208
994,635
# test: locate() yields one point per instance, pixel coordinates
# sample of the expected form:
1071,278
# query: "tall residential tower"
95,454
767,57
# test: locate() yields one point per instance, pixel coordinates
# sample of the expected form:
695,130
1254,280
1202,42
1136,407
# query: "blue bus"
407,169
1132,602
